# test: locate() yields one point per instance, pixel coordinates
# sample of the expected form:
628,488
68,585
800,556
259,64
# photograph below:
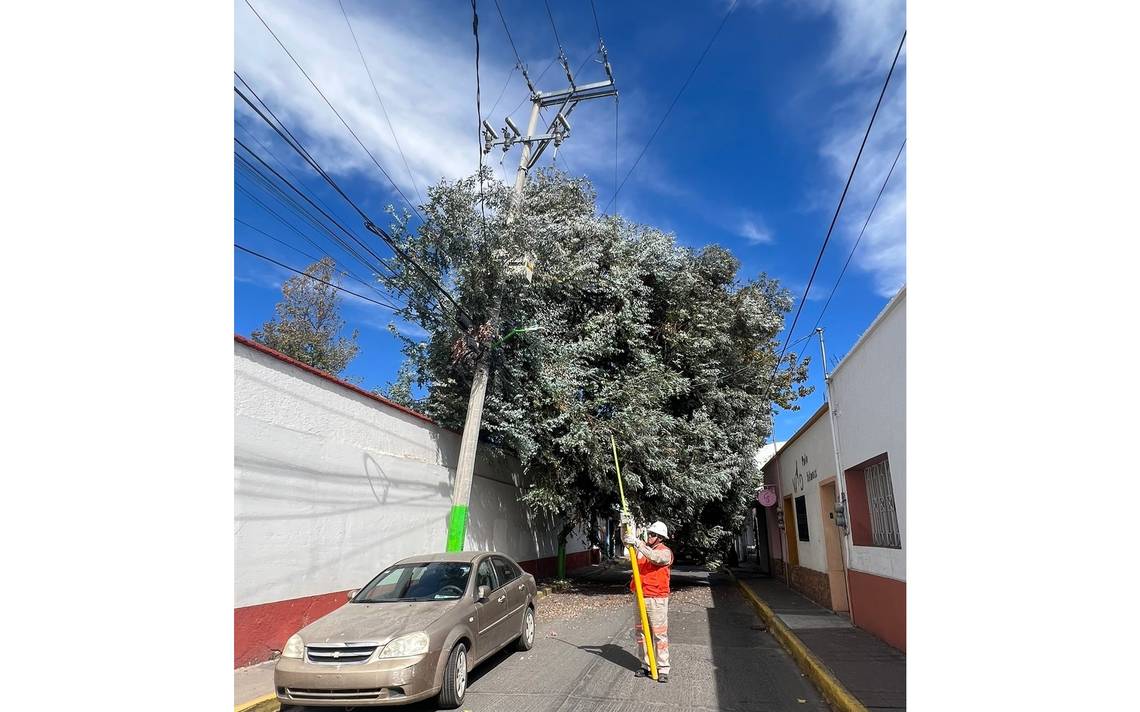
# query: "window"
506,572
871,504
801,517
881,501
486,575
427,581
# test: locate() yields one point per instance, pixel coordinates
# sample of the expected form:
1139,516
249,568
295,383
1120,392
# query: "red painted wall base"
261,631
880,606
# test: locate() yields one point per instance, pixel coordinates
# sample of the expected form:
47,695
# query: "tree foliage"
659,345
307,322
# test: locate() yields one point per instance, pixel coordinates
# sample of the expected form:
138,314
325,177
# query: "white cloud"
865,33
424,69
755,233
867,36
425,81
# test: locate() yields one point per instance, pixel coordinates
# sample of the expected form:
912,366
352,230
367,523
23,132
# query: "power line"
552,25
411,177
318,279
297,146
313,220
425,314
309,200
289,225
478,116
304,214
293,143
518,58
857,240
301,252
673,104
330,105
745,368
372,227
597,26
284,164
502,92
842,197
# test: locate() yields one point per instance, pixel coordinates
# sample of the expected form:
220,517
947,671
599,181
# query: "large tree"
662,346
307,325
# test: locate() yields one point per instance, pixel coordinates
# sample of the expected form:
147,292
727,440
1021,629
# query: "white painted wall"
815,444
331,486
868,392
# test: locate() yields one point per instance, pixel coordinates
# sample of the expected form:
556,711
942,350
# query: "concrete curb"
833,690
268,703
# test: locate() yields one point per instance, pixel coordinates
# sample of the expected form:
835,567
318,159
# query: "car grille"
342,653
361,695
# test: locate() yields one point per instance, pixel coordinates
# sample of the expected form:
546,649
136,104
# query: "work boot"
641,673
662,677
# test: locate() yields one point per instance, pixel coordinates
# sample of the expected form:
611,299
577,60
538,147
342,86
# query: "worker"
654,559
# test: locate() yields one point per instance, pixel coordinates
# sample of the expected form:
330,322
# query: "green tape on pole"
457,528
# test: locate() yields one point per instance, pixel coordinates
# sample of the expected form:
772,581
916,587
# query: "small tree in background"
308,322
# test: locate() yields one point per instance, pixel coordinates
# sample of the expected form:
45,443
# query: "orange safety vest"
654,578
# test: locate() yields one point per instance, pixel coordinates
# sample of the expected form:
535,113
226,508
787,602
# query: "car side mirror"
352,593
483,593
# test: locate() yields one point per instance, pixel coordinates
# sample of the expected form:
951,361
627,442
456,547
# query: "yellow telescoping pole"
646,631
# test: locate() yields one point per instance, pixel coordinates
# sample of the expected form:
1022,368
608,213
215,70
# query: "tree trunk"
562,534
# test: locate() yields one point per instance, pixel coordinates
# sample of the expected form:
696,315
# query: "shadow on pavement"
751,670
613,653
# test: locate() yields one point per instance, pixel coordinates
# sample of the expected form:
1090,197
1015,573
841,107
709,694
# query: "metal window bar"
881,496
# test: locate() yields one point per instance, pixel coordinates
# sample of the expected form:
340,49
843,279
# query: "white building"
862,569
332,484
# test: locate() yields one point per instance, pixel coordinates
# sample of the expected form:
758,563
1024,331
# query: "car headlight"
406,646
294,648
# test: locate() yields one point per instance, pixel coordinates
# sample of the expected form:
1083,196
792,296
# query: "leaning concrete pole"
469,442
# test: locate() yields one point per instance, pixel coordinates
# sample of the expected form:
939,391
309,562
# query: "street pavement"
585,655
871,670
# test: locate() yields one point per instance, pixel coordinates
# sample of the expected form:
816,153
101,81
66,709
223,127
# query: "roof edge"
795,436
899,297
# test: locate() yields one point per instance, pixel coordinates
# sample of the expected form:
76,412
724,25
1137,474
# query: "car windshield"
431,581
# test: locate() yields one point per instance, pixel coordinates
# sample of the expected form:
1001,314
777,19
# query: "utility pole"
533,147
839,477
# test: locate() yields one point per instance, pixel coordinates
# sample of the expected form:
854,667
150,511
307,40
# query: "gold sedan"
415,631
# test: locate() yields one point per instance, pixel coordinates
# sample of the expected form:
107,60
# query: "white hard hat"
659,529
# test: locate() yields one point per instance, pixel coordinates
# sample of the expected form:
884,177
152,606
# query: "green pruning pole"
626,520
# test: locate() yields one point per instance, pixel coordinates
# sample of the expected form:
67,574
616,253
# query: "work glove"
629,537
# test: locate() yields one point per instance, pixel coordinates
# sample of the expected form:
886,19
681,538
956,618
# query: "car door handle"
502,598
522,586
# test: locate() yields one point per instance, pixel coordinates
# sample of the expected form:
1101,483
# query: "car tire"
526,637
454,678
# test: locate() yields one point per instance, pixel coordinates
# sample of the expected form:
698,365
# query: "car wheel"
454,678
526,639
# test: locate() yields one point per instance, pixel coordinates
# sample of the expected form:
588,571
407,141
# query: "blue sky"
753,156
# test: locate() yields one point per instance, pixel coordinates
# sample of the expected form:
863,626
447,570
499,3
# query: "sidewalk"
253,682
871,670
